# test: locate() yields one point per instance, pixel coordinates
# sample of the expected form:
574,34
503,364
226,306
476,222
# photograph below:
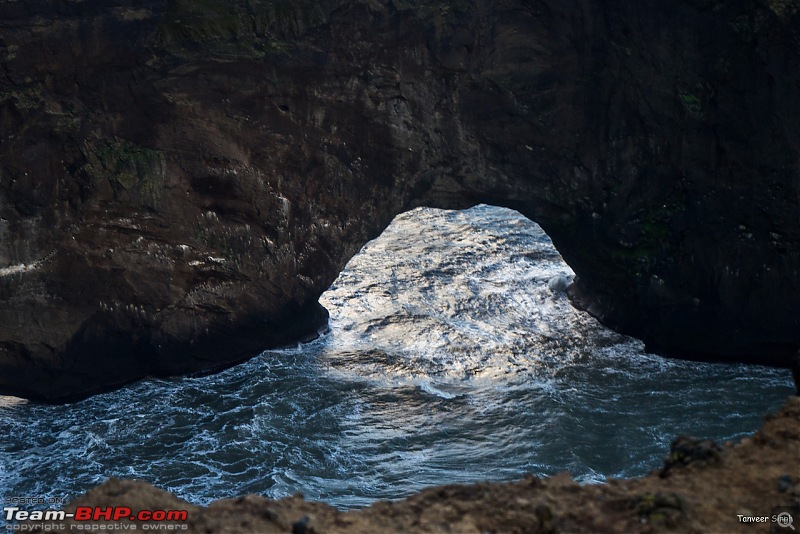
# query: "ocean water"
453,356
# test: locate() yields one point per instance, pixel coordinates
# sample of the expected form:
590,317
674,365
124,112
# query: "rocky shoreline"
702,487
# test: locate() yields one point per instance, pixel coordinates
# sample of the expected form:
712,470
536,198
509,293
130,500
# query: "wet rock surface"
696,497
686,450
180,181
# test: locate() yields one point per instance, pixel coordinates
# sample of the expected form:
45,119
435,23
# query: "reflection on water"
453,356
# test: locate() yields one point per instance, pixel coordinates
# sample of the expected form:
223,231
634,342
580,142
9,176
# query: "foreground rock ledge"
705,489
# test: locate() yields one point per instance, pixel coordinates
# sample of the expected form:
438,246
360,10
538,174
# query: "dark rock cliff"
180,180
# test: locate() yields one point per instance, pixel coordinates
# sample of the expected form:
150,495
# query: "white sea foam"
454,301
426,386
449,359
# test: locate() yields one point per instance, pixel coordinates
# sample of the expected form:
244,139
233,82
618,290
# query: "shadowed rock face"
180,181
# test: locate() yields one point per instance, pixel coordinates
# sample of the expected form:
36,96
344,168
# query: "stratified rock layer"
758,477
180,181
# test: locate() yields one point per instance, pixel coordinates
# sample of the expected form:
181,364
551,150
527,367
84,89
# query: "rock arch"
181,181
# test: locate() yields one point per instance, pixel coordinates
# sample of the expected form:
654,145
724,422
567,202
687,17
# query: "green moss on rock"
136,174
28,98
784,8
249,29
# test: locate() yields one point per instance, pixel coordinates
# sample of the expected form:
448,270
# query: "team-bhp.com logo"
157,519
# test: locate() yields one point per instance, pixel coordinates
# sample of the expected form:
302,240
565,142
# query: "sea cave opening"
467,310
453,356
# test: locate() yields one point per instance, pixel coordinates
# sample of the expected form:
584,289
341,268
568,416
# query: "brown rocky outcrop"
180,180
705,491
